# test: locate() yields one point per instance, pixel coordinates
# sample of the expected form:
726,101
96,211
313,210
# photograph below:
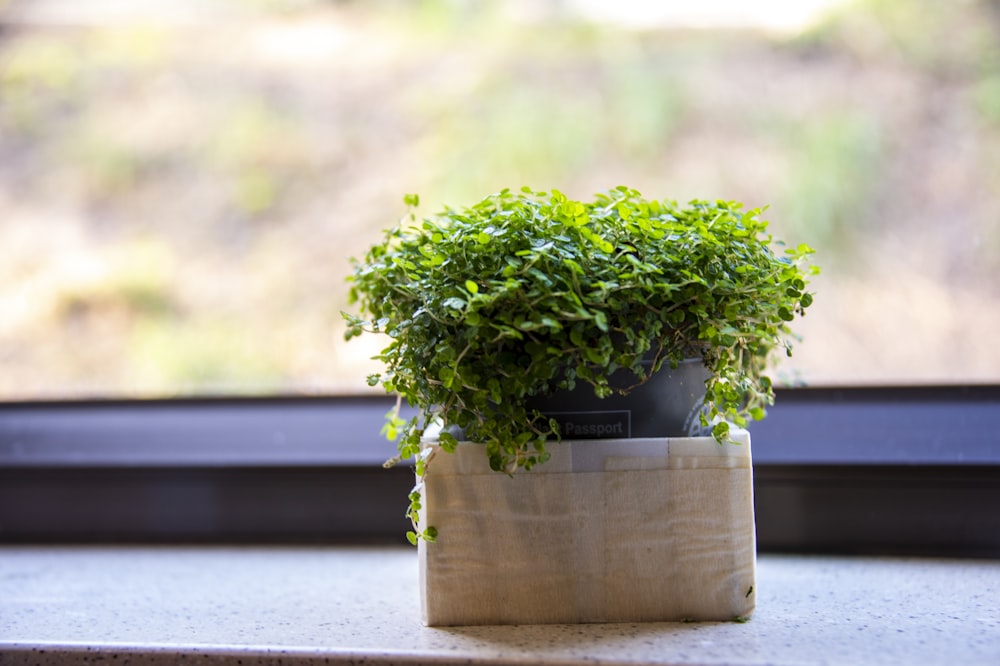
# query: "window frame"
860,470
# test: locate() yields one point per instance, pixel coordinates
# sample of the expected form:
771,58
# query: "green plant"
526,293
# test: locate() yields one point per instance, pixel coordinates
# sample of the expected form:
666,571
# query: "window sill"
341,604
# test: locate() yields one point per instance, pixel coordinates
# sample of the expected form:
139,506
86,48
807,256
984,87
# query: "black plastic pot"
668,404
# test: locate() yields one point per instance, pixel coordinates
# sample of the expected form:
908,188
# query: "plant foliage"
528,292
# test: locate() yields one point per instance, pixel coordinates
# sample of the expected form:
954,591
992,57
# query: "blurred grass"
835,166
179,200
37,75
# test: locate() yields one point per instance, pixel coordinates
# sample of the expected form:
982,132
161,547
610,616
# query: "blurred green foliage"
210,355
251,145
834,170
259,151
36,77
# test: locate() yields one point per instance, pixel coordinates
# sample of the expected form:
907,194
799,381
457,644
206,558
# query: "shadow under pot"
668,404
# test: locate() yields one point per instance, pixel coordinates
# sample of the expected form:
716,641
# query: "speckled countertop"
338,605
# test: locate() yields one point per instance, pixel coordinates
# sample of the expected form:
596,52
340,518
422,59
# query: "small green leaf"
447,376
447,441
472,287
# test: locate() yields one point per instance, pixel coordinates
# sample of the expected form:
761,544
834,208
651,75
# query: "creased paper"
606,531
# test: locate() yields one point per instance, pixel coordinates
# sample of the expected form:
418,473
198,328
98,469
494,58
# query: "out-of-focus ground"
181,187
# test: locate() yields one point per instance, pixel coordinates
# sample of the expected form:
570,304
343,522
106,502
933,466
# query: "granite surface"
340,605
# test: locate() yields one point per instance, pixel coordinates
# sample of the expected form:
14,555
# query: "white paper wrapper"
607,531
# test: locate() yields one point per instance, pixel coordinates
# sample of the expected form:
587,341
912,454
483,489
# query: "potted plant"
493,309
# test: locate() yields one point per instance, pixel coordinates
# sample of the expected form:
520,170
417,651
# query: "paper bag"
606,531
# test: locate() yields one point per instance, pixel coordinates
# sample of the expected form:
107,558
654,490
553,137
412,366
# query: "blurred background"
182,183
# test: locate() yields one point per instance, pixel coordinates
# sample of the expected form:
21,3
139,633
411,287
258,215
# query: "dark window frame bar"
872,470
